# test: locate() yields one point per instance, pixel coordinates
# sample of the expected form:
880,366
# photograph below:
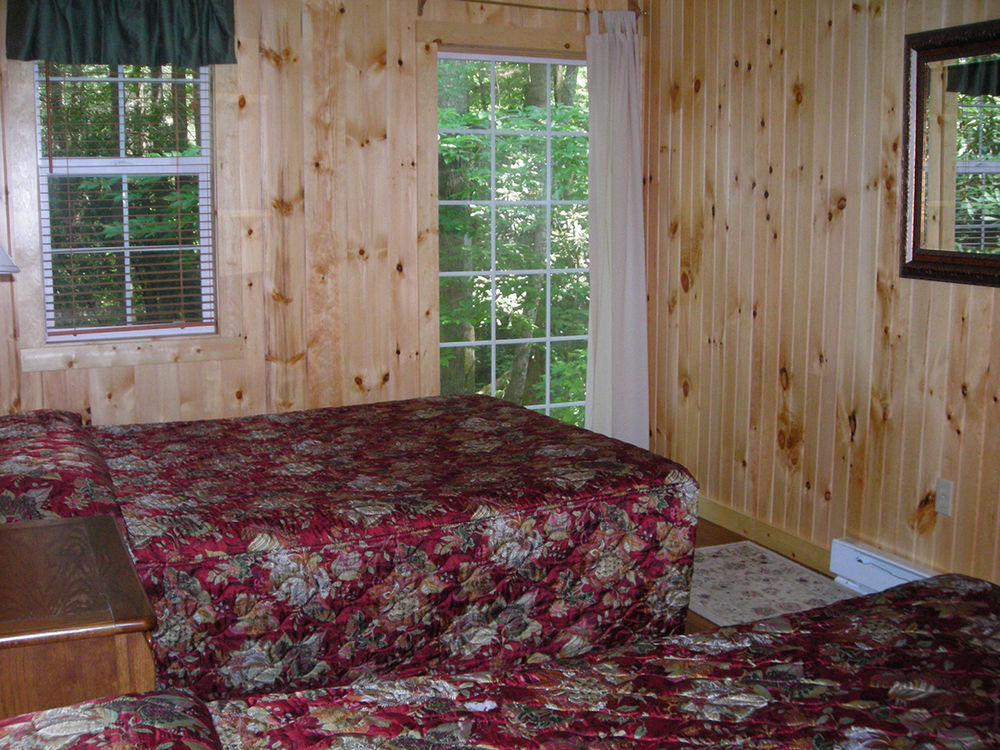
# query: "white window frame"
125,167
547,203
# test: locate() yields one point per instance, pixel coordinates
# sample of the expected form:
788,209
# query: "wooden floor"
709,534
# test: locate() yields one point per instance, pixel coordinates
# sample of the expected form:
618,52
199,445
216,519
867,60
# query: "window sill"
130,353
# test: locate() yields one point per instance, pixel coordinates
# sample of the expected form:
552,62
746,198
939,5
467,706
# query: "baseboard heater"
865,569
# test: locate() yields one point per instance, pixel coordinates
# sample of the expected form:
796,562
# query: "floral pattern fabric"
917,666
160,721
457,533
914,667
50,467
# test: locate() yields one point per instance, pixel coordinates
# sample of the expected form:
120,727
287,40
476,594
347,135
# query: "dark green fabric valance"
188,33
975,79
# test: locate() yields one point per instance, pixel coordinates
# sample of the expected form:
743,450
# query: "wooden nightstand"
74,620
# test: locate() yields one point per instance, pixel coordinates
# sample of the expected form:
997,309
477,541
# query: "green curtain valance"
188,33
975,79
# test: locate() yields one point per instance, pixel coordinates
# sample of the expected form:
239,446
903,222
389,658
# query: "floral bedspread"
457,533
172,720
914,667
49,468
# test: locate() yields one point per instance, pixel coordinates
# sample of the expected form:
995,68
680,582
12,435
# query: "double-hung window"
513,243
125,182
977,174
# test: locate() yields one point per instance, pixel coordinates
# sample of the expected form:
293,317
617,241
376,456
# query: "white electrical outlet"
943,501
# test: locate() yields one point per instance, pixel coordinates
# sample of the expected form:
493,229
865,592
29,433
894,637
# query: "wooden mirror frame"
921,49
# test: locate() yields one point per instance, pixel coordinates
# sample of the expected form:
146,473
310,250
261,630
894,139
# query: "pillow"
158,720
50,467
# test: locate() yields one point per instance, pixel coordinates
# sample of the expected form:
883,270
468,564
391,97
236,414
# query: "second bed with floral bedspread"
917,666
461,533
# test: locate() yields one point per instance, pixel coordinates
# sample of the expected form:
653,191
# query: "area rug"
742,581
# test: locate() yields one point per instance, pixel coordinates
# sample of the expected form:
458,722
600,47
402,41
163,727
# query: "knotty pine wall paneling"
326,227
813,392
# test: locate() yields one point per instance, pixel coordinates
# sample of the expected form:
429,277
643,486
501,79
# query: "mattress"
456,533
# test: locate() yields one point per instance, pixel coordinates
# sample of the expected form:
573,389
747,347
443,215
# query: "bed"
917,666
286,551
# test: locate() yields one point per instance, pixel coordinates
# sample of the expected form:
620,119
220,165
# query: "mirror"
951,155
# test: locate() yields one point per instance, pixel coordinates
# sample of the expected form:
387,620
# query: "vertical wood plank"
325,204
282,181
403,260
427,311
741,232
112,396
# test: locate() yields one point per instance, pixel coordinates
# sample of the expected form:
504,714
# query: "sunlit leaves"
464,238
570,304
977,193
520,237
513,185
463,167
520,172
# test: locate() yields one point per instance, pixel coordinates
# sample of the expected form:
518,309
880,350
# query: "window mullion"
127,254
122,153
548,239
493,229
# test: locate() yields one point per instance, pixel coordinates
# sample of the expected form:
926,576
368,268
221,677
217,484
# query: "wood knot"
924,518
282,206
242,101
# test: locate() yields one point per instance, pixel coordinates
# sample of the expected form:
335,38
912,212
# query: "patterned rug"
742,581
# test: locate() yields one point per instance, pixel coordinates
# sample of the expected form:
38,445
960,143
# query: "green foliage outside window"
499,231
125,242
977,192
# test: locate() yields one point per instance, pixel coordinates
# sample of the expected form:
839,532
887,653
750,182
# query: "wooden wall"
812,391
326,188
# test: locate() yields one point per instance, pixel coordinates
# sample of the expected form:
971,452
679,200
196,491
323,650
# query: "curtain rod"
633,5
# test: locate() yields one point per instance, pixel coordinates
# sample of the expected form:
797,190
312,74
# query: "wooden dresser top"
68,578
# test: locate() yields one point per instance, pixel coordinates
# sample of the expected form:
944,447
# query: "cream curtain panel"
617,361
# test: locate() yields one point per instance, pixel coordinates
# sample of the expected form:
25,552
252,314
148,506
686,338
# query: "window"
977,171
126,200
514,284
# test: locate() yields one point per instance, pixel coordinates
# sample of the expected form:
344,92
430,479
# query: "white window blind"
125,183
